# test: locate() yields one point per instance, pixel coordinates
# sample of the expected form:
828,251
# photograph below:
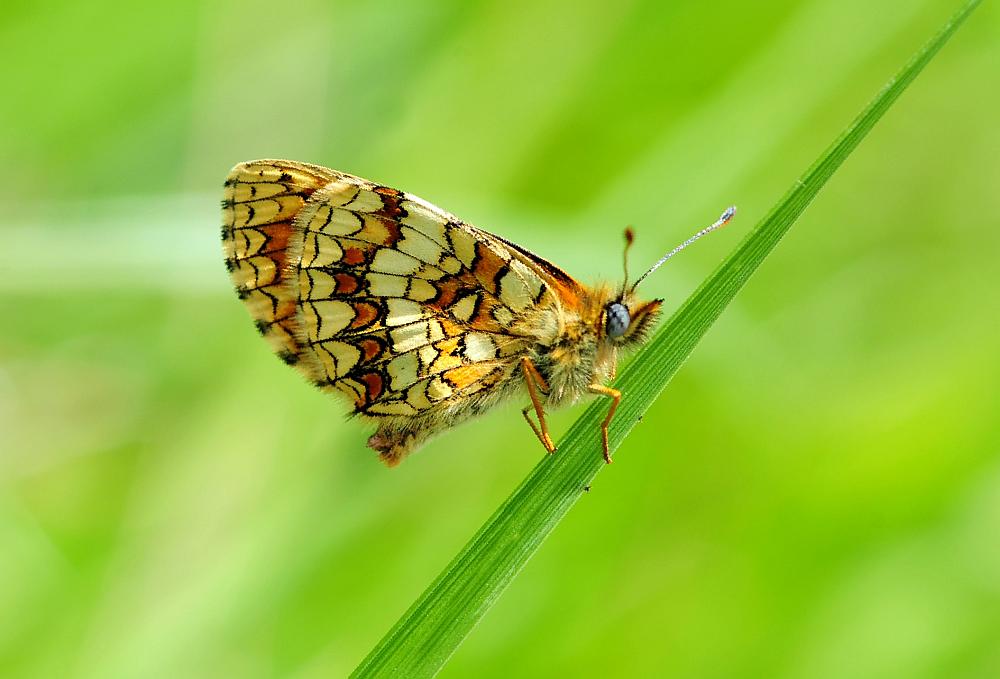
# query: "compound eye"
618,319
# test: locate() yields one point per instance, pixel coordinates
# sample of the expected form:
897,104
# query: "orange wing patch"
467,375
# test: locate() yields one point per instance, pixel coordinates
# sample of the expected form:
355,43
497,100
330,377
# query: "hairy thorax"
573,360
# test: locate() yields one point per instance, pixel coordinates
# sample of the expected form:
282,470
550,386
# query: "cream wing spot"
513,292
421,290
266,271
438,390
326,318
243,215
320,217
241,193
316,284
463,244
503,316
341,223
403,311
520,286
327,360
430,273
391,408
254,271
402,371
419,246
409,337
425,218
253,241
393,261
374,230
427,354
338,193
479,347
450,265
366,200
386,285
320,250
257,190
434,331
260,212
345,355
464,307
416,396
243,273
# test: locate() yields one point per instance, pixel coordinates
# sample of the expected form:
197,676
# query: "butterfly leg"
534,428
617,398
534,379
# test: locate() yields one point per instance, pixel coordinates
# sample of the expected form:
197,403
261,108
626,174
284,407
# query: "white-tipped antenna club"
724,219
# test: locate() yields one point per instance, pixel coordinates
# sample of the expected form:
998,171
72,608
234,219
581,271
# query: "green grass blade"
429,632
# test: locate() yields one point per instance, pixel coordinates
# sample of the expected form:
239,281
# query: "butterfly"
419,319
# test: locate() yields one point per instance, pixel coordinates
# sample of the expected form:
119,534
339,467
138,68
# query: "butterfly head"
626,320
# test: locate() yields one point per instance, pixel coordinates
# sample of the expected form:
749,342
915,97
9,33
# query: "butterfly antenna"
719,223
629,239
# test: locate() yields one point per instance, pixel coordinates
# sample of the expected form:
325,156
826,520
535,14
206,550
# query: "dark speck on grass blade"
421,642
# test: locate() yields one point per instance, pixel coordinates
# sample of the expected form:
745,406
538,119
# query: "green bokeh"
816,495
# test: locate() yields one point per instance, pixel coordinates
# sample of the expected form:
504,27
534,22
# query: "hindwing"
377,294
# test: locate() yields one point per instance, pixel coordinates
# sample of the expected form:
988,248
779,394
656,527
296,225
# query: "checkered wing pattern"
376,294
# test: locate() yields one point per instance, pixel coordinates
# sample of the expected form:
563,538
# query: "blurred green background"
817,494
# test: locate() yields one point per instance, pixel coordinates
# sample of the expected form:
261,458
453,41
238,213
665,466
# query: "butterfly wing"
379,295
259,206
